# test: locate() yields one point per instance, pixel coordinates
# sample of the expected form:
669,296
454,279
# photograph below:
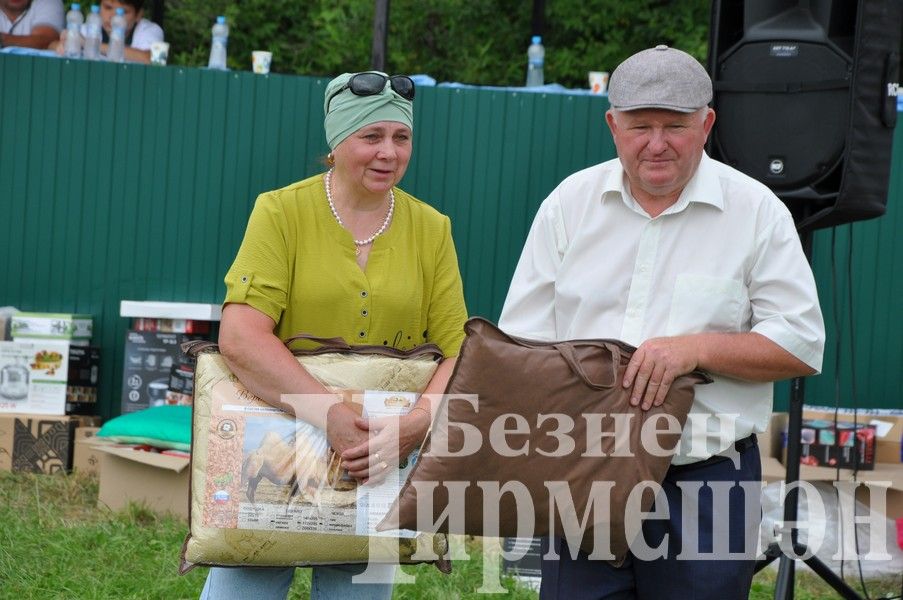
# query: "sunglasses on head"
371,84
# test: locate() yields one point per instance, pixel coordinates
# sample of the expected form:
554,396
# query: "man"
31,23
701,268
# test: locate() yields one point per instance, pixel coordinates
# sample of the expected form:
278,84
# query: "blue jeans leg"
244,583
272,583
335,582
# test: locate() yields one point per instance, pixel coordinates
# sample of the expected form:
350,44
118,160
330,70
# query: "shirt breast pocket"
702,303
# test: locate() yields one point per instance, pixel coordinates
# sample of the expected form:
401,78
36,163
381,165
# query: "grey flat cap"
660,77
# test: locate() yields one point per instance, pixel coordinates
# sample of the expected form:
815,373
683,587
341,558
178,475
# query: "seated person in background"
31,23
139,32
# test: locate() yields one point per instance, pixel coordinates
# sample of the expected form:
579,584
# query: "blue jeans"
670,577
266,583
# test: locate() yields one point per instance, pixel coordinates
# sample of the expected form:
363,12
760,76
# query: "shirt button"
364,312
362,334
363,293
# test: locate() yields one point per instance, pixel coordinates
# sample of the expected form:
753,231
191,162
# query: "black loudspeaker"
806,100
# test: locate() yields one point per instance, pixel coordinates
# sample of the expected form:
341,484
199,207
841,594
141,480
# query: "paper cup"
598,82
261,59
159,53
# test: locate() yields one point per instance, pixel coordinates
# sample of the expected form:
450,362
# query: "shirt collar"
704,187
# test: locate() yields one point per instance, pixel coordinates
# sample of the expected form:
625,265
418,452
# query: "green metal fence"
131,182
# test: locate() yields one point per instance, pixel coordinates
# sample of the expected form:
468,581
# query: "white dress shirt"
724,258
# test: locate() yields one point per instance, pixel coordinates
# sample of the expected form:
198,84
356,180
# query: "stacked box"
33,377
888,427
36,443
149,359
847,445
193,326
40,443
181,384
83,380
75,329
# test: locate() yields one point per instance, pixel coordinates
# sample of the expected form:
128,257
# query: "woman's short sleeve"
447,311
259,277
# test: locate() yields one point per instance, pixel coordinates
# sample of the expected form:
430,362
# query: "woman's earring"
330,159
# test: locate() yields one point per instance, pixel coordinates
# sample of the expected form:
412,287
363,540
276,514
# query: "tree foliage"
471,41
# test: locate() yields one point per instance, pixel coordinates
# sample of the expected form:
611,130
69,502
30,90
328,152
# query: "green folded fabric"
160,426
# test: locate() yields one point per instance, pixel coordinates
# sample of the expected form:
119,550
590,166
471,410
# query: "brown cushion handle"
332,342
573,361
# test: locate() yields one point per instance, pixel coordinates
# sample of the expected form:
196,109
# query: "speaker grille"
783,111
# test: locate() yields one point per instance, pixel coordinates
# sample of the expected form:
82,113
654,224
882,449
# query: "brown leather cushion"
510,376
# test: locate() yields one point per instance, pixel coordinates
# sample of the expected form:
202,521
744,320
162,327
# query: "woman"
343,254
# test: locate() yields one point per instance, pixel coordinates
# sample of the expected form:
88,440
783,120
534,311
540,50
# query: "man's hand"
656,364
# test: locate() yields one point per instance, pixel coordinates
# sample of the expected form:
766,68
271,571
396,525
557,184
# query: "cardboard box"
772,450
85,457
149,358
37,443
33,377
888,427
157,480
171,325
76,329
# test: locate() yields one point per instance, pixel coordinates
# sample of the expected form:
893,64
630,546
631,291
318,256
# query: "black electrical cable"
855,400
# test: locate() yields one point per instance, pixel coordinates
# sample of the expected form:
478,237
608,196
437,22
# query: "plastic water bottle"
219,43
116,48
93,33
74,20
536,56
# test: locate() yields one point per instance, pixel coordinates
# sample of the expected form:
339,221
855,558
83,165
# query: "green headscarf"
348,113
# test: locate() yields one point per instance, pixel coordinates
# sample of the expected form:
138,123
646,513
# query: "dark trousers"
687,577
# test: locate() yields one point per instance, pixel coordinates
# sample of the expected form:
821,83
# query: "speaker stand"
783,588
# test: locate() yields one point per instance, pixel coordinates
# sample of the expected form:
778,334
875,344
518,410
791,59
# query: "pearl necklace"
335,213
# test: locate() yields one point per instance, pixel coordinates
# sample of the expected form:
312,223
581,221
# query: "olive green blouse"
297,265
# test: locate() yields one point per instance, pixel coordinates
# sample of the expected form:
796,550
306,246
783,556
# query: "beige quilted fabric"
209,544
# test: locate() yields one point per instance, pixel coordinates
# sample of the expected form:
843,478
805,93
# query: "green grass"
55,543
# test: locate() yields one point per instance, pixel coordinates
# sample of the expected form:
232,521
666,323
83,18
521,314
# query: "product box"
37,443
85,457
772,448
842,444
77,329
149,358
84,375
33,377
84,366
527,568
156,479
181,384
888,427
171,325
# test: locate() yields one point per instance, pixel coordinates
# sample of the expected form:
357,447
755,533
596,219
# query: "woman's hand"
342,431
391,440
